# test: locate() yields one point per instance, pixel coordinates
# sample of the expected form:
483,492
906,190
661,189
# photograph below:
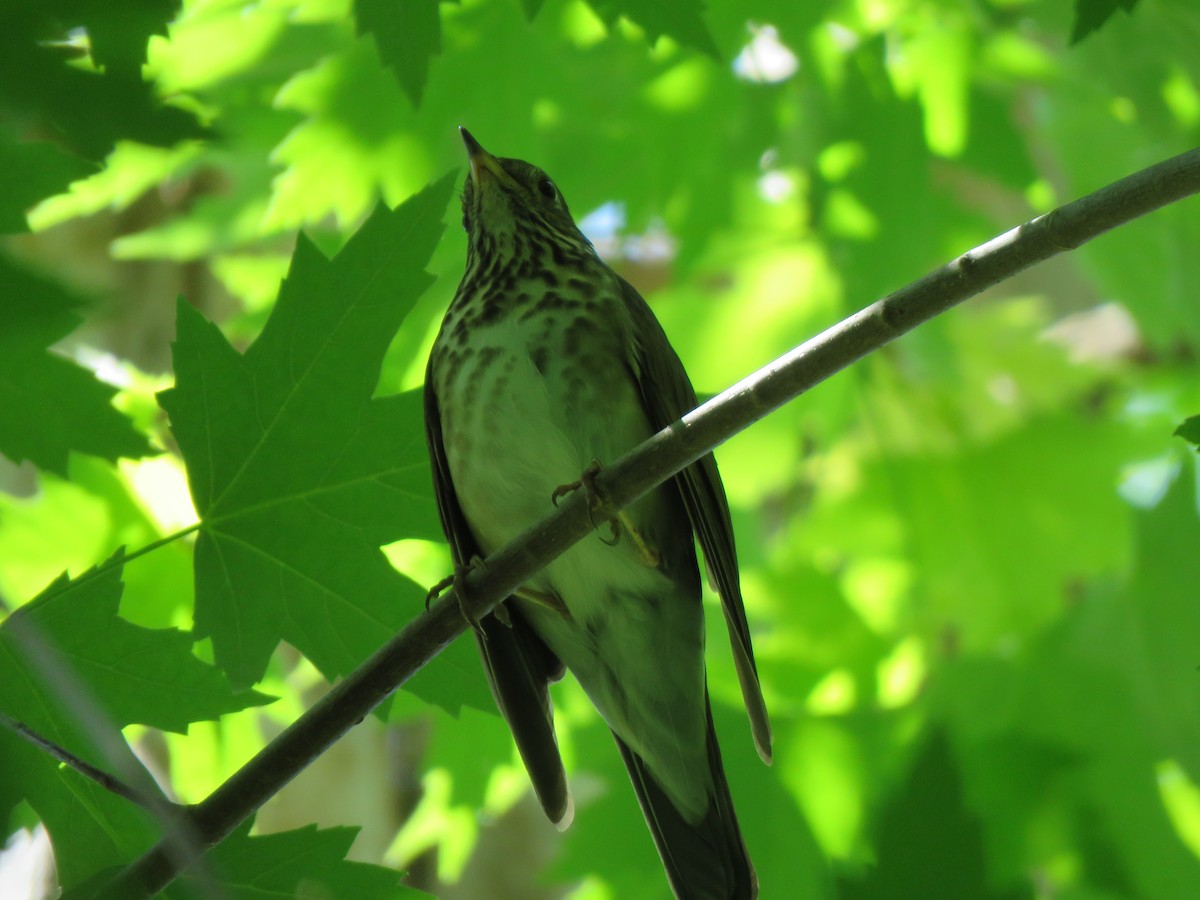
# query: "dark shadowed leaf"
75,672
682,20
306,862
298,474
408,34
1090,15
1190,430
929,843
30,171
50,406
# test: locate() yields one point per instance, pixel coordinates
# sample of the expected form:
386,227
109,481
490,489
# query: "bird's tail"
706,860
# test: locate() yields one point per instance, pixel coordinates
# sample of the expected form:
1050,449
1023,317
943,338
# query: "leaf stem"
122,559
104,779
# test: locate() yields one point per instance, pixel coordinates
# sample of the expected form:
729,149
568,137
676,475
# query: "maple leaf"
75,673
49,405
299,474
408,36
297,863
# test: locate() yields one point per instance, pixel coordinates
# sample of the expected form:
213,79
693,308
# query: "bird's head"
512,209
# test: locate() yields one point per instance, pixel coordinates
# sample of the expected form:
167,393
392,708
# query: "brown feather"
668,395
518,665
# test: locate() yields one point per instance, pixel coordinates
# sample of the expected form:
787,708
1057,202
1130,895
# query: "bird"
546,364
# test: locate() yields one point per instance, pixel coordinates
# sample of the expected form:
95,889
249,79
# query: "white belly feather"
626,616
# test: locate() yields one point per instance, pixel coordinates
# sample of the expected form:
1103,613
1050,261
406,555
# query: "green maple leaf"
299,475
118,32
1091,15
50,406
75,672
682,20
408,34
1189,430
29,172
306,862
89,111
930,843
301,863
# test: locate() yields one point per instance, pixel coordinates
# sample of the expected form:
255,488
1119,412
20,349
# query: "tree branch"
109,782
136,784
648,465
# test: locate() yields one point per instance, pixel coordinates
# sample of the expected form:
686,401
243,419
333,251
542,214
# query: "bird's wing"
519,666
667,395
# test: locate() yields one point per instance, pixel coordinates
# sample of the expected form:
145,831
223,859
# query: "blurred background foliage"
971,562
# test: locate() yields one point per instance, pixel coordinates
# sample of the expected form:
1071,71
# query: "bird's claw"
547,599
457,580
597,500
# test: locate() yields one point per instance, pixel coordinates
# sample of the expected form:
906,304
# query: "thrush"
547,361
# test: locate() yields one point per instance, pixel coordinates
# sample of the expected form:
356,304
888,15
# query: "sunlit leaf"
965,559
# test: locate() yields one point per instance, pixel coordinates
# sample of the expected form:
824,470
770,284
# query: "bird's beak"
483,163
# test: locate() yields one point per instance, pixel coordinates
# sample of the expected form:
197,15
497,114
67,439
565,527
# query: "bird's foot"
647,551
598,501
457,580
548,599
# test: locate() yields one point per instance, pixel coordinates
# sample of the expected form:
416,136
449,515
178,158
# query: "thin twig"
179,839
648,465
109,782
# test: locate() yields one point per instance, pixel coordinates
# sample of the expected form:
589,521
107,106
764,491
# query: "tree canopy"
971,562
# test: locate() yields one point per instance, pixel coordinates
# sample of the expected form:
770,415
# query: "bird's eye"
547,188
